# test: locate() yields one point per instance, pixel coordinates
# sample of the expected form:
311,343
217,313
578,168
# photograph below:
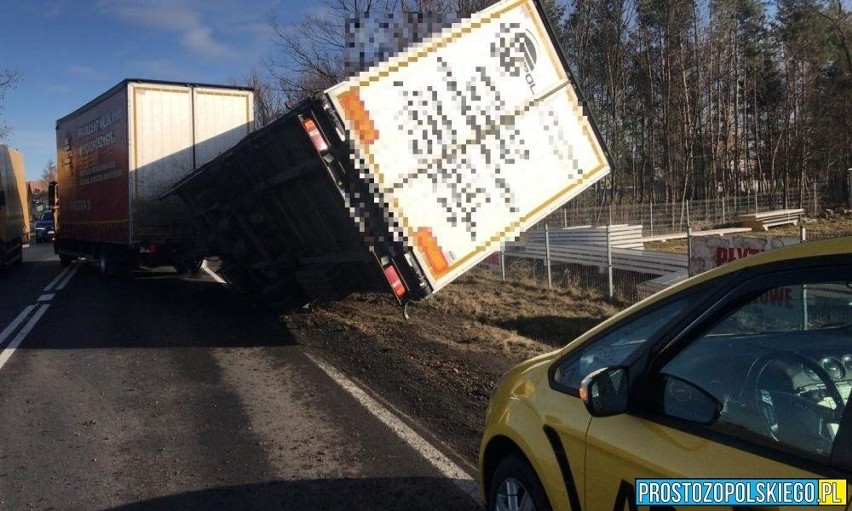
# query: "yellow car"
742,372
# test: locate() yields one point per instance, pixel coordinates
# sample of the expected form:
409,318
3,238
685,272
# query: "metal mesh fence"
599,266
627,286
674,216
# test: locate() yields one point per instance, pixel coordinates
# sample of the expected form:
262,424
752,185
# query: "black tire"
65,260
514,485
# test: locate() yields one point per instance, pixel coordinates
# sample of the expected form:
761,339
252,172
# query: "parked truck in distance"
14,214
121,151
409,173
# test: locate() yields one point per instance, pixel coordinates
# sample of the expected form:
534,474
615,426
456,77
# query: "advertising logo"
517,52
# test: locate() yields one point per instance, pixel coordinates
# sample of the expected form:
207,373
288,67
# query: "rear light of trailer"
149,249
314,133
395,282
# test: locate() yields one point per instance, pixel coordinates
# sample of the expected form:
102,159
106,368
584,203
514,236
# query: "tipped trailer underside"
277,210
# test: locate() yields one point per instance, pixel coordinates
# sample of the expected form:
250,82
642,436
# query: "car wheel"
516,487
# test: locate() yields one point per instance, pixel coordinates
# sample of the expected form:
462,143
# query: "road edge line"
7,352
448,468
15,322
68,278
59,277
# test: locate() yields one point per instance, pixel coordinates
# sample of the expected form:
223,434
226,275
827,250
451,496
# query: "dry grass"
550,316
817,229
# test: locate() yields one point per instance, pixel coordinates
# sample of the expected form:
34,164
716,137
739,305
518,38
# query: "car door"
567,427
772,358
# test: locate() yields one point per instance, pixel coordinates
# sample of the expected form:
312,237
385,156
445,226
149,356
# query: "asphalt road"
168,392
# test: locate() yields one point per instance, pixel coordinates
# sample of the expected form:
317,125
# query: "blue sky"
69,52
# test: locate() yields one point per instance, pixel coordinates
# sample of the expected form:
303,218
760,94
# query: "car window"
780,365
47,216
616,345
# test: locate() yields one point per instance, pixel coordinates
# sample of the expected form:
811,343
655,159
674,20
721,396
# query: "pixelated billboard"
372,36
470,136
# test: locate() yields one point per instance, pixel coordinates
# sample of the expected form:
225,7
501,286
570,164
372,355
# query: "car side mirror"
605,391
685,400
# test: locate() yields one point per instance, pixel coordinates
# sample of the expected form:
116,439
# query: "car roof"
831,247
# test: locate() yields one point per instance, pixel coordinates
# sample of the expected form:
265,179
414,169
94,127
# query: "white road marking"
445,466
10,349
62,279
210,272
449,469
14,324
67,278
57,279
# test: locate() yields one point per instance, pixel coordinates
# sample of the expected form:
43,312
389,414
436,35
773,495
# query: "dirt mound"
440,365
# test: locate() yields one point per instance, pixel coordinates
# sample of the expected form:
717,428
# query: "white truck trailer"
412,171
118,153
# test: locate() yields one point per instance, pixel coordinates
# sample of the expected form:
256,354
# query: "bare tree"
311,55
48,173
268,100
8,80
695,98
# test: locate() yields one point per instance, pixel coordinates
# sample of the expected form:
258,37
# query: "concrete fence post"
803,237
816,202
609,258
503,263
688,221
688,248
652,217
849,187
547,256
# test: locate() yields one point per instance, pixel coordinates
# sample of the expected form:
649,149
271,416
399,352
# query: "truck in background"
409,173
120,152
14,213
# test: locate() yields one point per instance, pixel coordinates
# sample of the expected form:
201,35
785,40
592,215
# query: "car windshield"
47,217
